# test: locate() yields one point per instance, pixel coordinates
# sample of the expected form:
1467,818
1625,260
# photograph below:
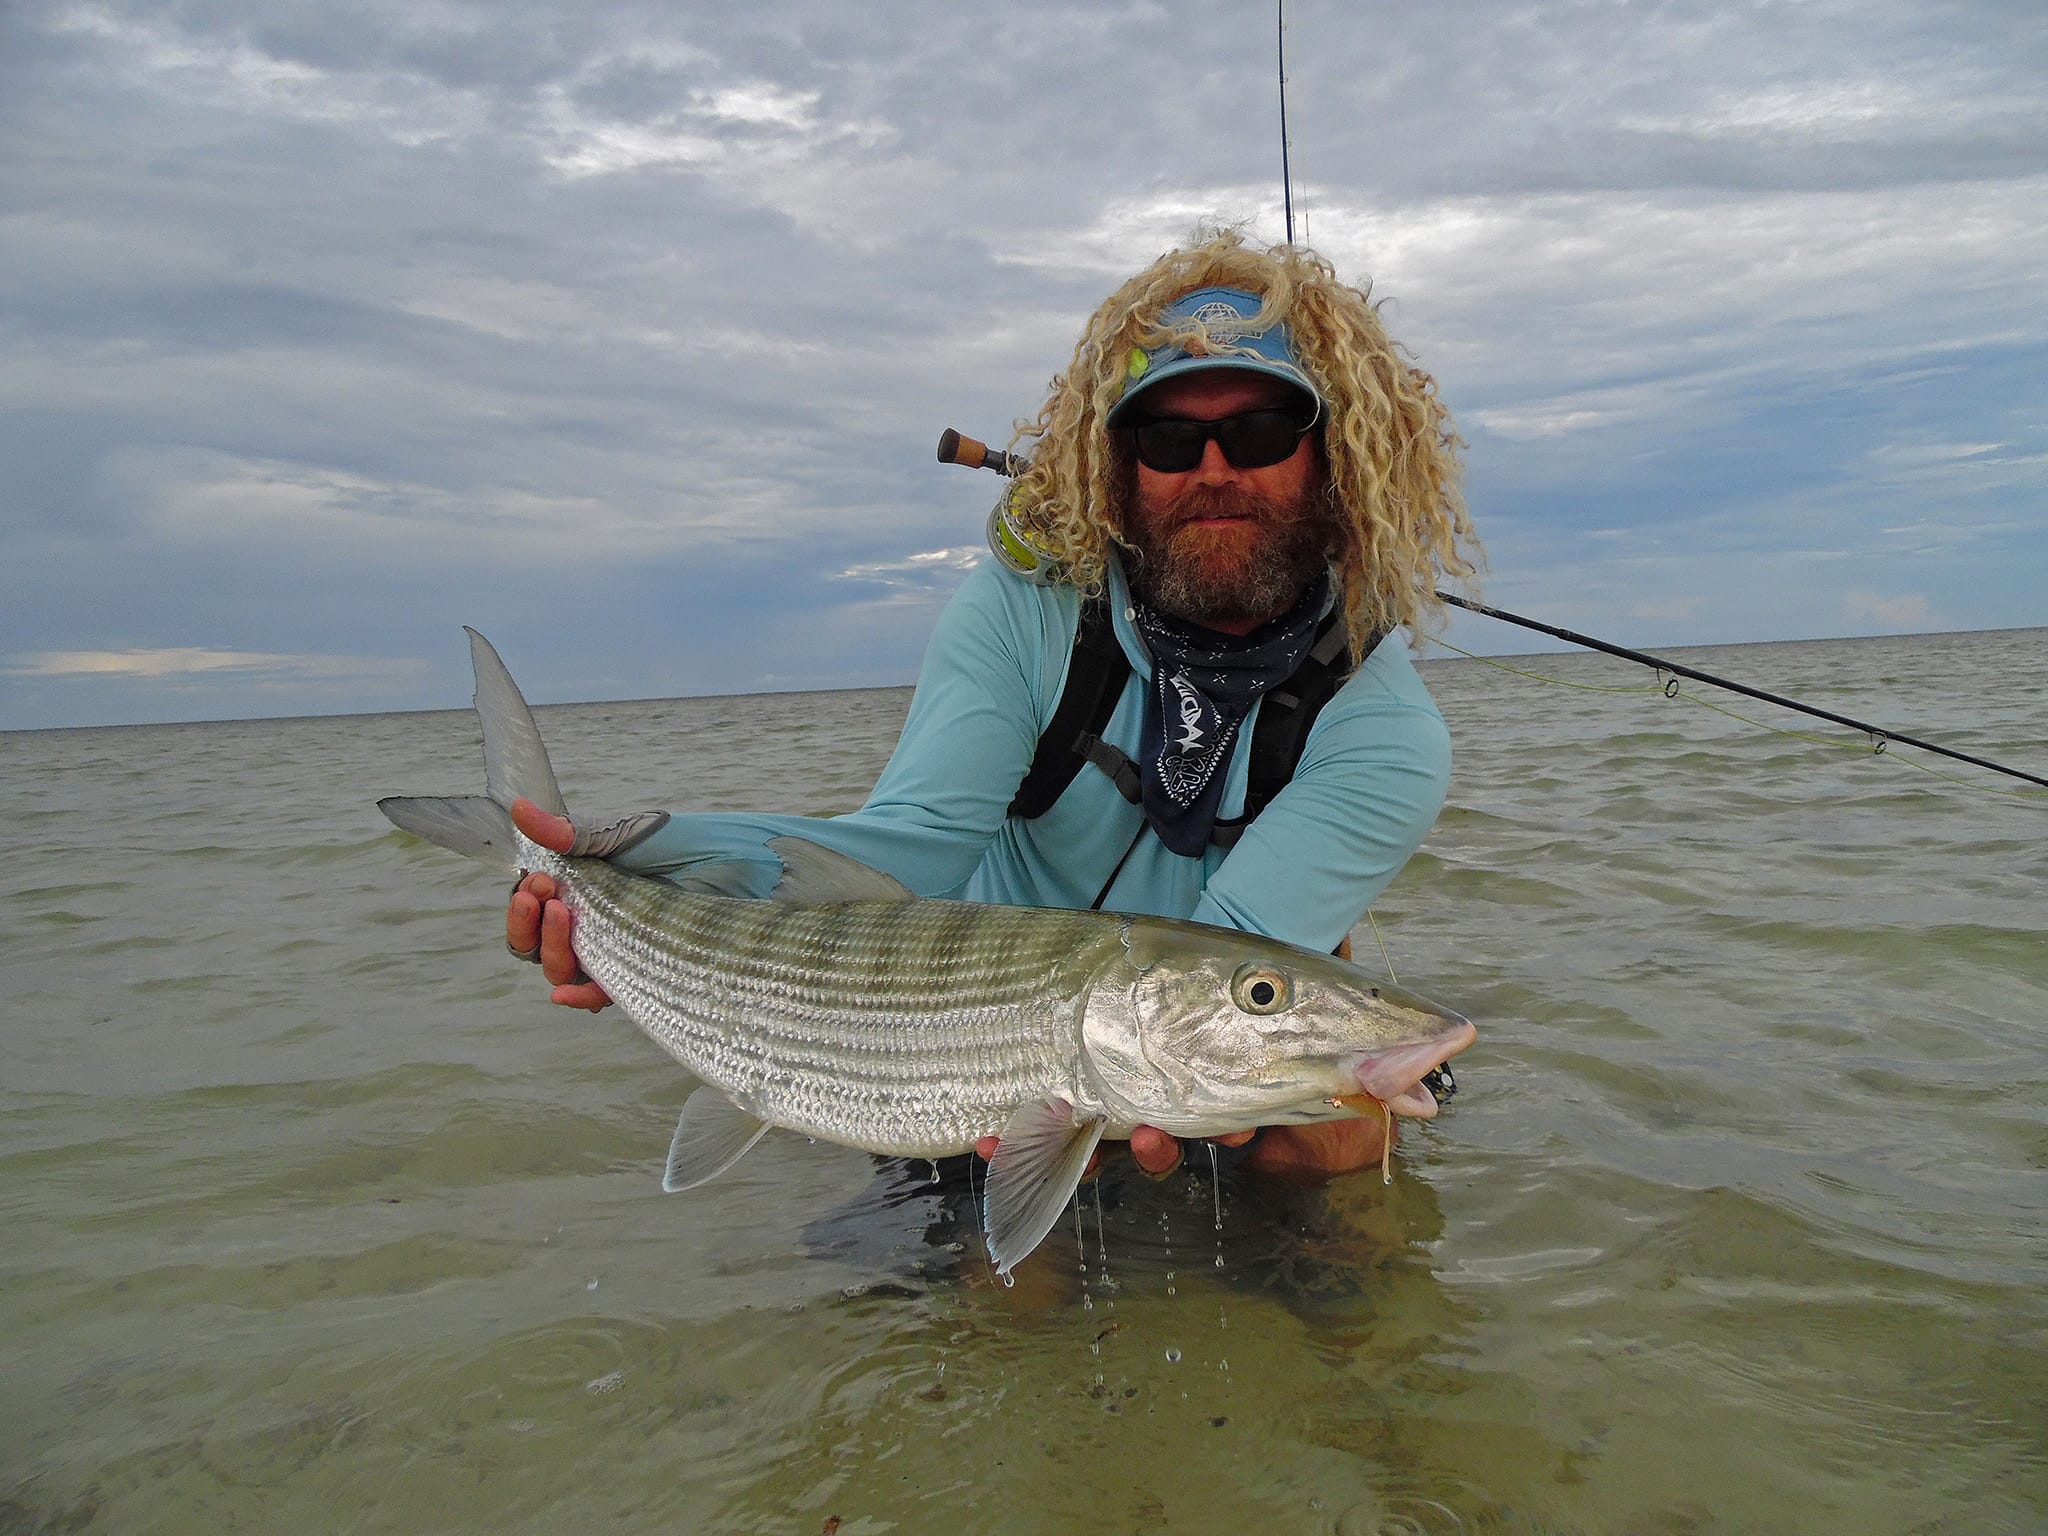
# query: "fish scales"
906,1028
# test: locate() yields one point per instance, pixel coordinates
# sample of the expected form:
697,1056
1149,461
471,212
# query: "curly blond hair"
1388,442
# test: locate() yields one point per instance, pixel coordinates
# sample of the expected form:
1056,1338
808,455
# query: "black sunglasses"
1173,445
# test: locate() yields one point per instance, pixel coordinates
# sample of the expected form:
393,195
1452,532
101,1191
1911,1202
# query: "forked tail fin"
515,765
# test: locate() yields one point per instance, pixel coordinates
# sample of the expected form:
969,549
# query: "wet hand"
1322,1149
1156,1153
535,920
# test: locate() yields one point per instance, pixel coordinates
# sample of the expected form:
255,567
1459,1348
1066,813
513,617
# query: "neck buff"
1203,685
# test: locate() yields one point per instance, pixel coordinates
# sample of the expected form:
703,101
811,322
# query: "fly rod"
957,449
1881,735
1286,171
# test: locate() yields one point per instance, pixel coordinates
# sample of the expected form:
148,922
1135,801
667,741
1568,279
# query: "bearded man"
1235,468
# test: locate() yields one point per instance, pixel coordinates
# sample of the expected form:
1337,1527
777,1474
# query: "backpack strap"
1096,673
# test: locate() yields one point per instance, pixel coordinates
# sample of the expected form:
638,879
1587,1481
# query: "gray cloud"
329,327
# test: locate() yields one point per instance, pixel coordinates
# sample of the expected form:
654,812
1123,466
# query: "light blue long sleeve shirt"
1372,777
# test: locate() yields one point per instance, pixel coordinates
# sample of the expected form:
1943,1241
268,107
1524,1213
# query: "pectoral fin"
711,1136
1040,1156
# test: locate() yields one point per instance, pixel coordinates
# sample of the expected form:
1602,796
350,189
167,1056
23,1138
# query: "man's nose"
1214,469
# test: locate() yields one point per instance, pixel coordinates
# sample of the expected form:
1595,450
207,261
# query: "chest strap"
1096,674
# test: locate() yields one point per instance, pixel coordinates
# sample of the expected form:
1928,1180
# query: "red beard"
1220,552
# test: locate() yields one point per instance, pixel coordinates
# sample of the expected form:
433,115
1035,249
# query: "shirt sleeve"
1373,776
995,659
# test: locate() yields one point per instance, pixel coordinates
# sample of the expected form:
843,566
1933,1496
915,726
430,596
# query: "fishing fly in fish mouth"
1164,752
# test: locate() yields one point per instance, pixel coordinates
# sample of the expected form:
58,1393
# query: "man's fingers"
543,827
535,919
1155,1152
522,923
557,959
1318,1150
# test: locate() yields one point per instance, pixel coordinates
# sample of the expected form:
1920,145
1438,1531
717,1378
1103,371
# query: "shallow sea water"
319,1218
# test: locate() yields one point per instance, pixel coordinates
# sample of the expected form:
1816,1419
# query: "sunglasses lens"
1173,445
1259,438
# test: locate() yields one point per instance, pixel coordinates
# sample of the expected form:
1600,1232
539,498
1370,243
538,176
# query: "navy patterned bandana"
1203,685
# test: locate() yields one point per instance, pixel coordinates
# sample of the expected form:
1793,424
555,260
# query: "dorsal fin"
813,875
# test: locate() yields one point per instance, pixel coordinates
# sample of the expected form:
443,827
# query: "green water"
319,1219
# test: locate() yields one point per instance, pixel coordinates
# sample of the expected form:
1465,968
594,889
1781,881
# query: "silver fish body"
910,1027
844,1008
915,1028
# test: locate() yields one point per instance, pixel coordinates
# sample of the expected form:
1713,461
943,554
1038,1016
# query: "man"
1235,453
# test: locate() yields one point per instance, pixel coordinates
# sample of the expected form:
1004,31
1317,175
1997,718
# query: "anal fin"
712,1134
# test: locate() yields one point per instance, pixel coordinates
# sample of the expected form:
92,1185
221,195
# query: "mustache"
1204,501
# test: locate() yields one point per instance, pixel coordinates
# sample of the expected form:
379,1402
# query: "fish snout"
1394,1076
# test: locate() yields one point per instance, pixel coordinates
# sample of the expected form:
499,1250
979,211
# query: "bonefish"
845,1008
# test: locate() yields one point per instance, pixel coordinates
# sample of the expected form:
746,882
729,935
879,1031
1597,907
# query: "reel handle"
954,448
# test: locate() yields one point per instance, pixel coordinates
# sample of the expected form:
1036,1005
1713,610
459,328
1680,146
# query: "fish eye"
1259,988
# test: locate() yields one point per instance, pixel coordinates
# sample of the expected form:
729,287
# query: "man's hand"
536,920
1323,1149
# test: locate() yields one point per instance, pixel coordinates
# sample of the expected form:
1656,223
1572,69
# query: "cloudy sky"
624,331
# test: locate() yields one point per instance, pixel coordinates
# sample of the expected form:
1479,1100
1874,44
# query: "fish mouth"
1394,1077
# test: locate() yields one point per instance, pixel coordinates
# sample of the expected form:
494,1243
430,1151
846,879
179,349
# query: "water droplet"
1009,1281
593,1284
1172,1356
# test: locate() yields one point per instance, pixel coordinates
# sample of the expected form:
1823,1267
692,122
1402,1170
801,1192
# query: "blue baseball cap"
1225,314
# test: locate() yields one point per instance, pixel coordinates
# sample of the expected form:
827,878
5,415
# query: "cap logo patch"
1222,321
